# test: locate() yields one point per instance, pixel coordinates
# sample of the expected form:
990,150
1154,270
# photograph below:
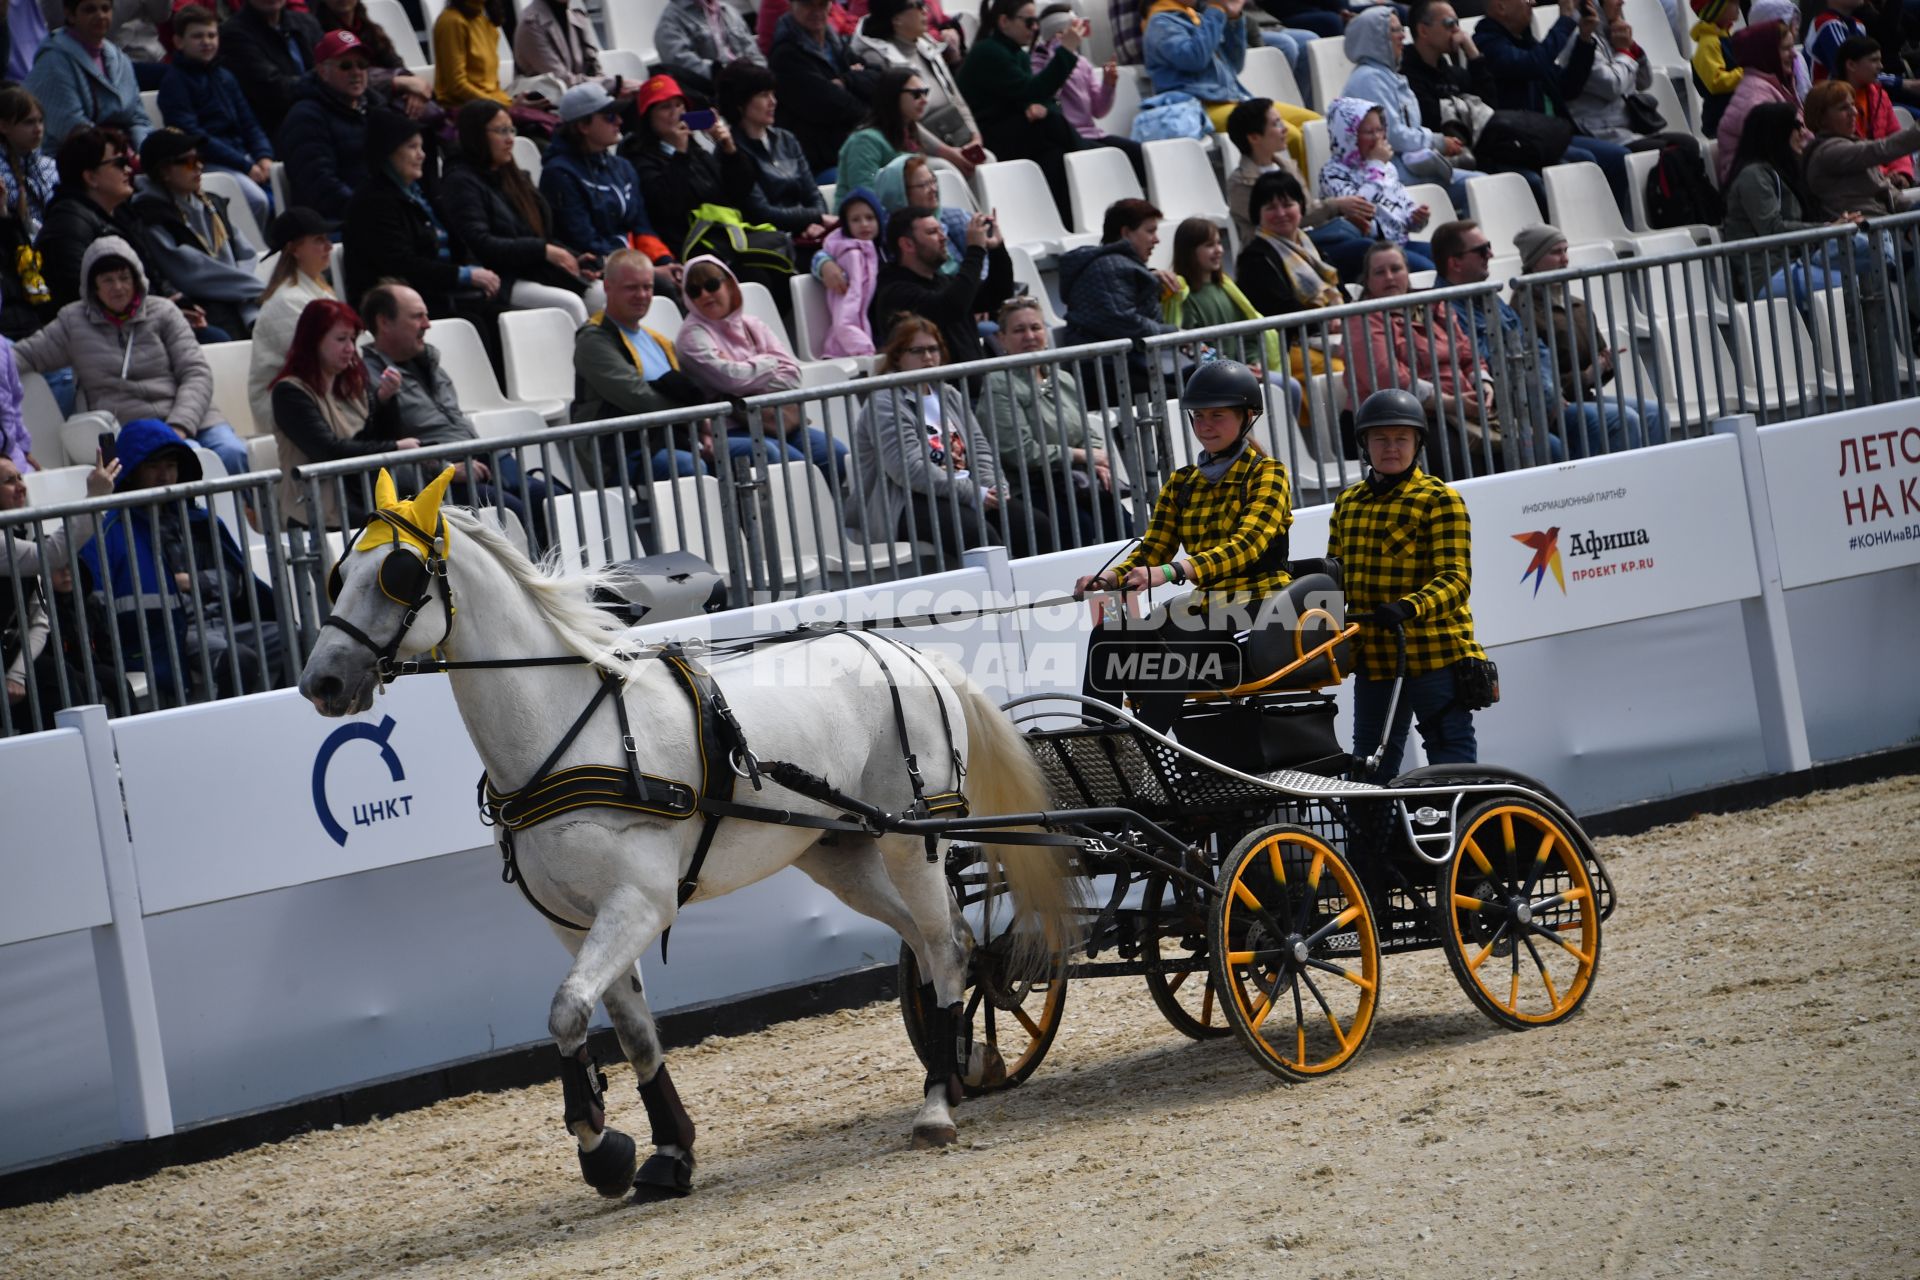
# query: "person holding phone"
1017,107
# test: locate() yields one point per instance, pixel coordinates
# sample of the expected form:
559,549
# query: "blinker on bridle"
405,577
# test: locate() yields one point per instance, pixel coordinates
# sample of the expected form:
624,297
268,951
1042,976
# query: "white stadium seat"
537,349
1127,92
1181,182
1096,177
1503,205
1268,74
1017,191
231,363
392,19
1328,61
465,360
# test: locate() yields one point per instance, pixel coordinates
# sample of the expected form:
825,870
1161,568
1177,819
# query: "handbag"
1170,115
1643,114
947,123
1522,140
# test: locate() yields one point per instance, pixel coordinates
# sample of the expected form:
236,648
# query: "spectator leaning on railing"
1768,196
133,355
175,577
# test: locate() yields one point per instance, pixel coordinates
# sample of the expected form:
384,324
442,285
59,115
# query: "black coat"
260,60
676,184
950,301
388,235
1262,275
479,214
812,107
73,222
323,143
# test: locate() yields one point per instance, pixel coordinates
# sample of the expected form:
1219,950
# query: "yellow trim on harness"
539,804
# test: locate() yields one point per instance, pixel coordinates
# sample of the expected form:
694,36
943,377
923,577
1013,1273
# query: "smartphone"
106,446
699,121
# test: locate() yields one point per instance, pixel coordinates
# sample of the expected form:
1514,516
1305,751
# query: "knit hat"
1535,242
1710,10
386,131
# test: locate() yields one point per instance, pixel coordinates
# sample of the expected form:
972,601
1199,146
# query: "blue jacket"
1526,72
323,142
72,91
1375,79
140,586
596,199
1198,54
206,100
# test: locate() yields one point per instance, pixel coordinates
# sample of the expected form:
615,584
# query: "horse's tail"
1003,778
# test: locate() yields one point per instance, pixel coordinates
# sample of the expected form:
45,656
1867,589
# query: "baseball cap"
164,146
337,44
584,99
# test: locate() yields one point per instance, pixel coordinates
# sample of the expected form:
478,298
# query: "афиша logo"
1546,555
374,809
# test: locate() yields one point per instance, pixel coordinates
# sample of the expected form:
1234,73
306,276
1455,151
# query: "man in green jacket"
1018,111
621,367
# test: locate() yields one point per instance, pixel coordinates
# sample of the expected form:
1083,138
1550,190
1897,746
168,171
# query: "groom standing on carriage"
1403,541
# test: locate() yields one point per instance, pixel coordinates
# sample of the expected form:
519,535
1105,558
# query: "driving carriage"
1254,888
1239,873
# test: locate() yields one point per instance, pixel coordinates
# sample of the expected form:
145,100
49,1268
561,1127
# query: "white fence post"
120,948
1013,655
1776,682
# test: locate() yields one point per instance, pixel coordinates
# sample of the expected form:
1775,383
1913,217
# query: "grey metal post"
120,948
1000,590
1776,683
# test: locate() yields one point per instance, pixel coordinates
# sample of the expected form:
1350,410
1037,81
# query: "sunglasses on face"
192,160
1480,250
916,93
351,64
117,162
1026,19
1450,23
710,285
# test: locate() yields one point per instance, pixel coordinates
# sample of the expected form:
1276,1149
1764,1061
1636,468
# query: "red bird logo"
1546,555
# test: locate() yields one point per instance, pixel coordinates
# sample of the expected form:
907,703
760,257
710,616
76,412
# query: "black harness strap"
713,718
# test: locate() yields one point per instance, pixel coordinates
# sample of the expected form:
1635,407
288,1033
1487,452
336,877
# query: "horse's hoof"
986,1069
663,1177
609,1167
931,1137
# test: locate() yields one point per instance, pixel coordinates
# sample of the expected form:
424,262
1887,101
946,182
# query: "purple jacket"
13,427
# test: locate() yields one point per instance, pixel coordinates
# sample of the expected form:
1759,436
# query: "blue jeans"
1293,42
1446,727
1612,159
1604,426
1342,244
829,455
226,445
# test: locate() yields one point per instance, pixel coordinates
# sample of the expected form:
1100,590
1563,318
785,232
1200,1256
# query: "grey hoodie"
149,366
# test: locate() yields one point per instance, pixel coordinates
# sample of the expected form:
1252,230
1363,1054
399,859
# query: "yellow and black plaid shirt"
1412,543
1226,527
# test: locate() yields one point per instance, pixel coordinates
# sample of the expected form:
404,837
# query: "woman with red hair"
323,407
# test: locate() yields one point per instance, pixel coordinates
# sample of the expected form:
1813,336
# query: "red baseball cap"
657,90
337,44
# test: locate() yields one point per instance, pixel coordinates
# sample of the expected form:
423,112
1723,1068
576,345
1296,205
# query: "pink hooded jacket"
848,333
737,356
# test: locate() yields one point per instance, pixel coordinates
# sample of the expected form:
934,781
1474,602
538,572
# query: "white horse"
824,703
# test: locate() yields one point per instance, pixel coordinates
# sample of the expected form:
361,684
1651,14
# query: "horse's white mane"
560,590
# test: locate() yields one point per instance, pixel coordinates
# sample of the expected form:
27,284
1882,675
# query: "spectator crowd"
276,172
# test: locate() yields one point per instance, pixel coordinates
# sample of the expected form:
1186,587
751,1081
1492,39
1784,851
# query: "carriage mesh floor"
1111,765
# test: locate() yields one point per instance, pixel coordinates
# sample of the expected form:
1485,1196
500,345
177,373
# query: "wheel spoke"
1277,861
1344,918
1033,1028
1564,896
1562,943
1539,862
1474,964
1506,831
1462,902
1206,1006
1260,1012
1553,997
1338,1032
1472,848
1358,980
1245,895
1178,978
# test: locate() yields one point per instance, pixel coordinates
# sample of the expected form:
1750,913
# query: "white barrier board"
1845,492
263,792
50,859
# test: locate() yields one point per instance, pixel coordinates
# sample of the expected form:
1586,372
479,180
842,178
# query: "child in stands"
1362,165
205,101
853,245
1714,74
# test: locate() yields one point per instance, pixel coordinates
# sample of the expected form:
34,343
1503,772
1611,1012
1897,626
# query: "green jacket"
998,82
1028,424
608,384
862,156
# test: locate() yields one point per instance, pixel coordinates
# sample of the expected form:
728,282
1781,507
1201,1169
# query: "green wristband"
1168,570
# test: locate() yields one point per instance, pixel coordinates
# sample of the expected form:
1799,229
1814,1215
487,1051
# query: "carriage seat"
1272,647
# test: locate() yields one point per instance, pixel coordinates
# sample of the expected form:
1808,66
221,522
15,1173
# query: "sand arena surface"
1737,1098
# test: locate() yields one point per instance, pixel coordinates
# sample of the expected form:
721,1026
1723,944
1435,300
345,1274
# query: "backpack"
1514,140
1678,191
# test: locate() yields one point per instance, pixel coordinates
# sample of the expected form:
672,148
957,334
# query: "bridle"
406,577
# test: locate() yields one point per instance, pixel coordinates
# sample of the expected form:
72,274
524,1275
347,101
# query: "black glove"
1399,613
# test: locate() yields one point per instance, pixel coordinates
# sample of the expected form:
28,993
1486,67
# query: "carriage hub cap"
1523,913
1299,951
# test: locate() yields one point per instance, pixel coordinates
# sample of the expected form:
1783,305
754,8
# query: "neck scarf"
1215,466
1314,282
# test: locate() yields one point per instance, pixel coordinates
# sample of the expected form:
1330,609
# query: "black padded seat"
1271,648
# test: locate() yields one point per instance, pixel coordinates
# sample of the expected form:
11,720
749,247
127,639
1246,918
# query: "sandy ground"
1737,1098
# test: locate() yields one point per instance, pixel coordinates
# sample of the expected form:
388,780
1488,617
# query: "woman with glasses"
730,355
894,36
891,130
1039,419
924,470
1019,109
193,234
492,206
593,192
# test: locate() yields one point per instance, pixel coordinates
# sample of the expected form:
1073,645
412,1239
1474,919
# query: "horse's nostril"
327,687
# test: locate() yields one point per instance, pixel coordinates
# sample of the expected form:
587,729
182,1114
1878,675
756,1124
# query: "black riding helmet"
1225,384
1391,407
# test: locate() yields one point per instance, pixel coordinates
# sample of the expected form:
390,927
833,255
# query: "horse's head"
383,591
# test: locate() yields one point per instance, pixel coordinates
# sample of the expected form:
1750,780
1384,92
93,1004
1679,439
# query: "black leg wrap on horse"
949,1044
663,1177
672,1127
584,1087
610,1167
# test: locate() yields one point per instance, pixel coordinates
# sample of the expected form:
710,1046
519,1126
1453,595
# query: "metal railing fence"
1080,441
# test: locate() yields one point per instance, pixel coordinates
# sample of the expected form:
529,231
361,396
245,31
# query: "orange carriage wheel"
1295,953
1518,917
